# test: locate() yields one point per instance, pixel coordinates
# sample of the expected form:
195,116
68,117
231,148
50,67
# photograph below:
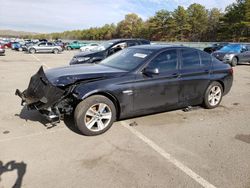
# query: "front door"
158,92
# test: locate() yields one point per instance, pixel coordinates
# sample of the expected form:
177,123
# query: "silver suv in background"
233,54
46,47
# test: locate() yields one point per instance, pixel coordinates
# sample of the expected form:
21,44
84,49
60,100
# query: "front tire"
234,61
32,50
213,95
95,115
69,48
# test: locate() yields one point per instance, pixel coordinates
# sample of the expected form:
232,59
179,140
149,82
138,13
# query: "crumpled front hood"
64,76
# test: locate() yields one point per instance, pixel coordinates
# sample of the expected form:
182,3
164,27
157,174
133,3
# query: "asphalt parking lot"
198,148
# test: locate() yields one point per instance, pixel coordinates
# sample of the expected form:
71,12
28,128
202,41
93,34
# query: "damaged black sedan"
135,81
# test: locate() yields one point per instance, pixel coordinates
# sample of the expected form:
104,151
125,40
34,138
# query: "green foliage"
181,24
130,26
195,23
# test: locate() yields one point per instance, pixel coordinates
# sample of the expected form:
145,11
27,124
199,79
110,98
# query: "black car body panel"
97,56
64,76
133,92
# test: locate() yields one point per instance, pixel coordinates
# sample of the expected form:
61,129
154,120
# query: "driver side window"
42,44
165,61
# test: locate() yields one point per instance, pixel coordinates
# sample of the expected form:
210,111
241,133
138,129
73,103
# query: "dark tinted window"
131,43
205,59
50,44
190,59
145,42
42,44
244,48
165,61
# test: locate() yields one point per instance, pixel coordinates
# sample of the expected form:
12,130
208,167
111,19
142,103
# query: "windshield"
127,59
103,46
231,48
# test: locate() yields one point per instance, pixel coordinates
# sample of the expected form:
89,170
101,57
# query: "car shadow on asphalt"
32,115
20,167
70,124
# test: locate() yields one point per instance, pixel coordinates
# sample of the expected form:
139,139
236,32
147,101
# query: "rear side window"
205,59
50,44
132,43
42,44
145,42
190,59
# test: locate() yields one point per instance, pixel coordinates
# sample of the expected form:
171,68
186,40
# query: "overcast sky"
61,15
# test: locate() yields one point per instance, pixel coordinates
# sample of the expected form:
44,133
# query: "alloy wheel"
98,117
215,95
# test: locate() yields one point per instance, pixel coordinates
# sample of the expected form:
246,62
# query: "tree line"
194,23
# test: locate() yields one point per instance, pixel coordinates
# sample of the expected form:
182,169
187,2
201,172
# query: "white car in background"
89,47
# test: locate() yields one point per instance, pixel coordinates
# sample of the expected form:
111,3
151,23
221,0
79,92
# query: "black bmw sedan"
135,81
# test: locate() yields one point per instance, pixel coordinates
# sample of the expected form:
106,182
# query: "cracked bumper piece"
40,94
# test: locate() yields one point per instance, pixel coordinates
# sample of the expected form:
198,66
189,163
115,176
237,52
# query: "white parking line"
43,64
31,135
167,156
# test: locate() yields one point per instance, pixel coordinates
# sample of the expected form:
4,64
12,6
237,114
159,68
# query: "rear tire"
213,95
69,48
55,51
95,115
234,62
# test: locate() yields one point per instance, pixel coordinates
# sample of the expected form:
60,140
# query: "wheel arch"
220,82
110,97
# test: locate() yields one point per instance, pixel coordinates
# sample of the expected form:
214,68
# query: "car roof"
159,47
131,39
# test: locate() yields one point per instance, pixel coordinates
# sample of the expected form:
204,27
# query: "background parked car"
45,47
7,44
26,45
233,54
75,45
2,49
16,46
60,43
89,47
215,47
106,49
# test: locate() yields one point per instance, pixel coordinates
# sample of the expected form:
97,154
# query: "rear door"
195,74
50,47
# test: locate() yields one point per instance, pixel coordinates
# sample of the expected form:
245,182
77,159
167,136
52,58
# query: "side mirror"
150,71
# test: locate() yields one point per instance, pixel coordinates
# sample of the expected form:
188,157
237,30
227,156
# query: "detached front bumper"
40,94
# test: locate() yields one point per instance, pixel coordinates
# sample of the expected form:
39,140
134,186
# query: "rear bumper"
40,94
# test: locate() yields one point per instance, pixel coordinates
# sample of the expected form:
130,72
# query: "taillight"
231,70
